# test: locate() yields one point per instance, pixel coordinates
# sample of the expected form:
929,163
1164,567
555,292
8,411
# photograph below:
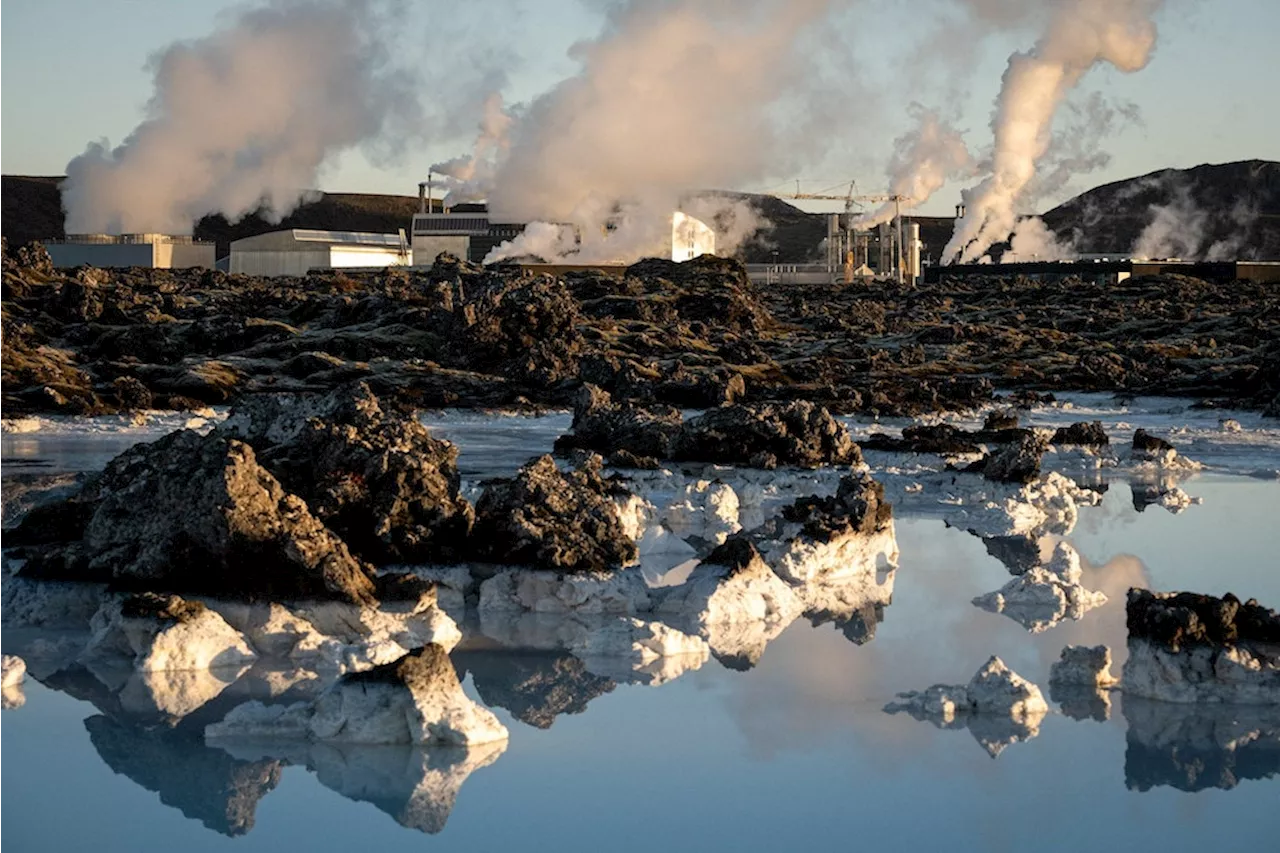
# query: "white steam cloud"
672,96
1080,35
924,159
242,118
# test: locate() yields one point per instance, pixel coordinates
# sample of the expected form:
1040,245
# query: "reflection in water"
1195,747
535,686
994,732
1018,553
1081,701
416,786
202,782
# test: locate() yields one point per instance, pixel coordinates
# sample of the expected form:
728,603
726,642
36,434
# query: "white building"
157,251
296,250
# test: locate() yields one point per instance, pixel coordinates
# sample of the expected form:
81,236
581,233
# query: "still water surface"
793,752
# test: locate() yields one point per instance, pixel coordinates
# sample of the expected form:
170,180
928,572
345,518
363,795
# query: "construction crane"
851,198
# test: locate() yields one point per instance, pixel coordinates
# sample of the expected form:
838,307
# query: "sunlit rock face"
416,700
335,636
998,706
14,672
1079,682
166,633
206,784
1200,747
1185,647
1044,596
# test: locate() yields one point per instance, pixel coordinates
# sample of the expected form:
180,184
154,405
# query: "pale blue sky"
74,71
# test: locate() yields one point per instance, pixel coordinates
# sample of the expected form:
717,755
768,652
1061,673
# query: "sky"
76,71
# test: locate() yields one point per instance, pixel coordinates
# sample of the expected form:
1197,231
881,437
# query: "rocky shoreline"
692,335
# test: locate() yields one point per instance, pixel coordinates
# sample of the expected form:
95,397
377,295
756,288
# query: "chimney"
422,197
960,211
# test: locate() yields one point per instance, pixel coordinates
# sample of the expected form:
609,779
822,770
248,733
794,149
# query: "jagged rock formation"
998,706
558,521
1186,647
1045,595
415,700
377,478
193,514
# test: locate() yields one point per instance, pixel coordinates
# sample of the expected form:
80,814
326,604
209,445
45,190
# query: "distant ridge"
1237,202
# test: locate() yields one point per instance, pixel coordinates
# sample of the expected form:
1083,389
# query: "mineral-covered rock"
416,699
13,671
1088,666
994,689
1045,595
552,520
164,632
1185,647
994,694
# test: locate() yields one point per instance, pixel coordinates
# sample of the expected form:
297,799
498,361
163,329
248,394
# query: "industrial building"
294,251
156,251
1113,271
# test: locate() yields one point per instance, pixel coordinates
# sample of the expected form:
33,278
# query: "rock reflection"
417,787
535,686
203,783
1081,702
12,697
1197,747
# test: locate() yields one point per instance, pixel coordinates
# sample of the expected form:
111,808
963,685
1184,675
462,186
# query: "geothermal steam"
924,160
1080,35
242,118
672,96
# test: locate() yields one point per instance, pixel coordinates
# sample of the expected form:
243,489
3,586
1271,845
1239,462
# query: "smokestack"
959,211
422,196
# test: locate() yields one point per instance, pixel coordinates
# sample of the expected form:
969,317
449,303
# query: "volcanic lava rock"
608,428
1152,447
999,420
798,433
374,475
1018,462
857,507
1187,619
198,514
1186,647
560,521
1086,434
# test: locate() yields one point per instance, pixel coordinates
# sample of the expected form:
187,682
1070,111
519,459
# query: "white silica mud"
728,698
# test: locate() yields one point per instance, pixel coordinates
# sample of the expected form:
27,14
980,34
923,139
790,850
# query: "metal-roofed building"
157,251
294,251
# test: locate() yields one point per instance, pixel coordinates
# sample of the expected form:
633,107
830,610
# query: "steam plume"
244,117
1080,35
672,96
924,160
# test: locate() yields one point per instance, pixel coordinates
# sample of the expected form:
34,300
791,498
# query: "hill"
1214,211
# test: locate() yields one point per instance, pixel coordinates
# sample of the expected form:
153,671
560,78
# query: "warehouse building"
107,251
294,251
